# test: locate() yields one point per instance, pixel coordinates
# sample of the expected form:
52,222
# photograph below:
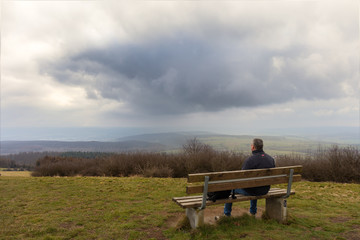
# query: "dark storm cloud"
184,74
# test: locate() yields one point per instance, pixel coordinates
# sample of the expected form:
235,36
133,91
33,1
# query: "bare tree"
194,146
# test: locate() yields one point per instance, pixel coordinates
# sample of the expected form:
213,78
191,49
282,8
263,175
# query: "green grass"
141,208
317,211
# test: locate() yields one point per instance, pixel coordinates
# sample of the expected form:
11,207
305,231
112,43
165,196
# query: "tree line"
339,164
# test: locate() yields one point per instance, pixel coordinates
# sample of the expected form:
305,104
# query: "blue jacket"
258,160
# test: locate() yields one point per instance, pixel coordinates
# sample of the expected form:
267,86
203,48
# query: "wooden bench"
218,181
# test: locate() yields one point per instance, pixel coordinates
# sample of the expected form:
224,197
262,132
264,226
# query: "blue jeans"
253,203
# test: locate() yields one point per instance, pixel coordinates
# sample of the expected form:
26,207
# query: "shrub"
162,172
332,164
7,163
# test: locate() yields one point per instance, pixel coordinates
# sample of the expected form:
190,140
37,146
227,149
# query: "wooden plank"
241,184
187,197
215,176
197,202
238,199
199,197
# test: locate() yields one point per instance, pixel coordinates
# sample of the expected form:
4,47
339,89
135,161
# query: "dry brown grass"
15,173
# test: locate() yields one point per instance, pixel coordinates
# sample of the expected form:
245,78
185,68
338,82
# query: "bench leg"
196,217
276,209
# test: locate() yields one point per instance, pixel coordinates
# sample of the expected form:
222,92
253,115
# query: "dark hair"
258,144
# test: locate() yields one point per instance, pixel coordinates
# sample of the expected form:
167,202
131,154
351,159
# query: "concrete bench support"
276,209
195,216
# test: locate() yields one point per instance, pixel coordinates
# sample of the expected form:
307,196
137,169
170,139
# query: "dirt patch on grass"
173,220
155,233
210,214
352,235
318,229
340,219
356,227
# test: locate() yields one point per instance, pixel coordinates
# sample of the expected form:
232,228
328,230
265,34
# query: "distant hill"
173,140
238,143
170,142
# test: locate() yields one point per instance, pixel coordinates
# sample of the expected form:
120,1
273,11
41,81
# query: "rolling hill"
171,142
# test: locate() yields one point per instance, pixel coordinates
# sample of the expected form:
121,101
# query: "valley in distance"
302,141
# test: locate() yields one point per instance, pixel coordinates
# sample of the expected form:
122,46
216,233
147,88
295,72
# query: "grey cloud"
187,74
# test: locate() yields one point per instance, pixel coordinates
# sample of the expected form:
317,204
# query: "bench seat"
196,201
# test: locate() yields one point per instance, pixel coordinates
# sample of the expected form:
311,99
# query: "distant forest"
27,160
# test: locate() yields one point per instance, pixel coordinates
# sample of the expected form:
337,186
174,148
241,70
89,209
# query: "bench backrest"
228,180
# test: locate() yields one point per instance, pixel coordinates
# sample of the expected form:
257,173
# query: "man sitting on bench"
258,160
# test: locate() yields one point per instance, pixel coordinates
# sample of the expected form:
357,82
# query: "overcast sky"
220,66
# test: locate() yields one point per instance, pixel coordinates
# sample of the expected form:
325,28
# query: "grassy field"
141,208
273,145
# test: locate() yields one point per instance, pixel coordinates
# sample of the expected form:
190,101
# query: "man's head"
257,144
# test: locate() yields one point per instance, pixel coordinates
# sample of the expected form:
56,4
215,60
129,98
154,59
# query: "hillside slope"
171,142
